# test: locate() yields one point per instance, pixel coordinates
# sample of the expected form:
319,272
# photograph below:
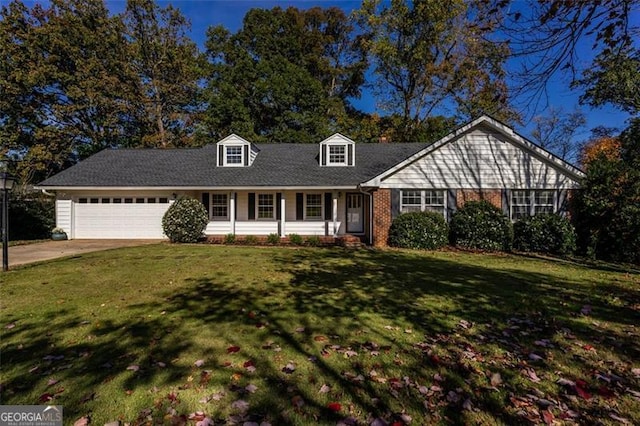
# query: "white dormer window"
233,155
233,151
337,155
337,150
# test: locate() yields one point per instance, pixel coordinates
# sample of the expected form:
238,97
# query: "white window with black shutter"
313,206
337,151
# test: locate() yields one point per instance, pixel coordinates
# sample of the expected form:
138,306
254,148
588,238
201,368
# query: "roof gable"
493,124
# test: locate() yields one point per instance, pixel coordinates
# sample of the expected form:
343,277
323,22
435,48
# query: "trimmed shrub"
544,233
31,216
185,220
419,230
296,239
251,240
481,225
313,241
273,239
230,238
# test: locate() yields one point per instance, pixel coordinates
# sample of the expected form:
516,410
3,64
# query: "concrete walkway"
29,253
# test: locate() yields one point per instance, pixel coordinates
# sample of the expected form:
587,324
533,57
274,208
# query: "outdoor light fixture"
6,185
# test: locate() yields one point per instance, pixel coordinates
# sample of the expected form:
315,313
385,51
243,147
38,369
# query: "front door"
355,213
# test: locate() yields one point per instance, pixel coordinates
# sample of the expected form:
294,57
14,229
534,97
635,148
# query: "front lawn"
227,335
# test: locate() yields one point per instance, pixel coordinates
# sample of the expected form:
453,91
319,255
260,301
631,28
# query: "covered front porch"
321,212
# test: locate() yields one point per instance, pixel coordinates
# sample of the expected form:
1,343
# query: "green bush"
481,225
312,240
31,216
273,239
185,220
419,230
295,239
251,240
544,233
230,238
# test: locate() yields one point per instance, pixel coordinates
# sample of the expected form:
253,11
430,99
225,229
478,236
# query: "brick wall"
381,217
494,196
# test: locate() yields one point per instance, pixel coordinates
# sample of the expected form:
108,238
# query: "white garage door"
118,220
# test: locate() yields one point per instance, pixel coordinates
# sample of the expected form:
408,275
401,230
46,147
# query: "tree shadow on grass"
354,300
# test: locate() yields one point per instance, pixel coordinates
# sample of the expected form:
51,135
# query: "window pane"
234,155
151,200
94,201
337,154
139,200
411,198
128,200
408,209
434,198
544,197
164,200
219,206
117,200
314,206
265,206
106,200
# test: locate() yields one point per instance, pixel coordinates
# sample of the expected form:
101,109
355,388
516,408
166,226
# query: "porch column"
232,212
335,214
282,216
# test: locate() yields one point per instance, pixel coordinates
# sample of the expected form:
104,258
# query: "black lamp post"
6,184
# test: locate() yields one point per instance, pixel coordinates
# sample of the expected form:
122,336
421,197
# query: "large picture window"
432,200
266,208
531,202
313,207
219,206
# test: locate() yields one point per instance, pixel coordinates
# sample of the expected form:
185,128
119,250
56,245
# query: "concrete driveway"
20,255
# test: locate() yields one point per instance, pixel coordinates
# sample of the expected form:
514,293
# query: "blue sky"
229,13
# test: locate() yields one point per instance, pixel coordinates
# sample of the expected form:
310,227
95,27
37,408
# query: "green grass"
386,334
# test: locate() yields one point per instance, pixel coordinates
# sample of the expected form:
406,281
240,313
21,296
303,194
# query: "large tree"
433,57
167,66
63,81
556,131
286,75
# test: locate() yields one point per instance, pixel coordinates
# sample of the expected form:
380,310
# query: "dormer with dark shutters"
233,151
337,151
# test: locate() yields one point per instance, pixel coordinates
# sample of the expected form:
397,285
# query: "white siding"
256,228
218,228
480,159
64,212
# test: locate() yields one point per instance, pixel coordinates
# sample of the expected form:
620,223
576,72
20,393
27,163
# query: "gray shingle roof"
278,165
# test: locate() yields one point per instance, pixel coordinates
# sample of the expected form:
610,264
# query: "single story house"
332,188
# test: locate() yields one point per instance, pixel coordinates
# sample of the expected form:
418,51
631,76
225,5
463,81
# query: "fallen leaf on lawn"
535,357
636,372
233,349
496,379
199,363
320,338
10,325
88,397
45,397
588,348
548,417
580,389
289,368
334,406
605,392
248,364
619,419
297,401
82,421
133,367
52,382
565,382
205,422
531,374
300,330
251,388
129,392
586,310
378,422
467,405
325,389
350,353
161,364
240,405
465,324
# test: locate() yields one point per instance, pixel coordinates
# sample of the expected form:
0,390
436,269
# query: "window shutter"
235,204
562,207
350,155
451,203
395,203
328,206
323,161
220,155
245,149
506,202
205,201
278,205
299,206
252,206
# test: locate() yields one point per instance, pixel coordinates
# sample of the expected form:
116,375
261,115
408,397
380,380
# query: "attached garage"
112,217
